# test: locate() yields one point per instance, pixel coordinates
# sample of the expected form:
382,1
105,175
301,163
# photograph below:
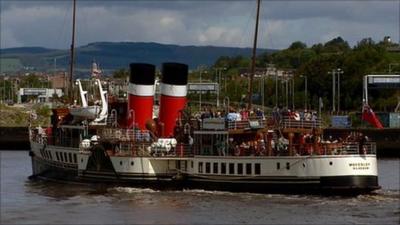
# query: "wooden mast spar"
253,59
72,59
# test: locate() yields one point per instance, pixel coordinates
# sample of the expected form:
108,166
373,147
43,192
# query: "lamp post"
292,92
200,93
219,74
333,90
276,88
338,72
335,72
305,90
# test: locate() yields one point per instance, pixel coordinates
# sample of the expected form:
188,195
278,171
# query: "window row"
229,168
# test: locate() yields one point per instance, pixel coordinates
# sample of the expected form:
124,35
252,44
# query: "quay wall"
14,138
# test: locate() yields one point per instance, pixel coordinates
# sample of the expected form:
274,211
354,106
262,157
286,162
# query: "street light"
305,90
335,72
201,91
338,72
219,74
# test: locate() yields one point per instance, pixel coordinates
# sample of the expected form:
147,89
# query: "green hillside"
113,56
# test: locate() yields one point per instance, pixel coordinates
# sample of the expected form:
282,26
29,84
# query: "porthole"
288,166
304,165
132,163
330,163
81,160
120,163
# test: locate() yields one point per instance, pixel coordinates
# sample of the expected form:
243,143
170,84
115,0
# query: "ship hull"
161,173
348,185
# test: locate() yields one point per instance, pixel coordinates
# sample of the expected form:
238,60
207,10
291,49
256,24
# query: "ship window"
231,168
120,163
75,159
278,166
257,168
288,166
330,163
240,168
62,157
70,157
215,167
65,157
131,163
248,168
223,168
58,157
191,164
208,167
200,167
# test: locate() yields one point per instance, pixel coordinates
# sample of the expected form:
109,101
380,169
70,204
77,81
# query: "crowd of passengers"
279,113
233,114
243,114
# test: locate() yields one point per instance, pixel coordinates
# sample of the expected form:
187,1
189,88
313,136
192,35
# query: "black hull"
335,185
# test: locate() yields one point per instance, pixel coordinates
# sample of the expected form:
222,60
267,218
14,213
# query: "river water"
37,202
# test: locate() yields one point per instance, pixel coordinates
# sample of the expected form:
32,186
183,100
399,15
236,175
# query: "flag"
369,116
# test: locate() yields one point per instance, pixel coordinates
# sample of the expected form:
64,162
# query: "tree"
120,74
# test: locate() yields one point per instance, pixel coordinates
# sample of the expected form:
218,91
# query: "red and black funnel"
173,95
141,94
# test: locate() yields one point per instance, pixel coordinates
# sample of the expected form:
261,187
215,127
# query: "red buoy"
141,94
173,96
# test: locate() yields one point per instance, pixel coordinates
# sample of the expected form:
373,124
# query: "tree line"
315,62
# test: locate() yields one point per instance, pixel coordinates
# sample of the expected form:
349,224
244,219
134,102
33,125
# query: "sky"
47,23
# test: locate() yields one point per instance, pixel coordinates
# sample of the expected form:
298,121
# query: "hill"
115,55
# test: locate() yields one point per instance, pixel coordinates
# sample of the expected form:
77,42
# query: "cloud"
223,23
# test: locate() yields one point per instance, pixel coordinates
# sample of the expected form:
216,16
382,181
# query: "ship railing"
288,122
251,123
180,150
146,150
348,148
125,135
56,140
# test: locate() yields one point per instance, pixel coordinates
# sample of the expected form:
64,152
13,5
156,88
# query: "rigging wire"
247,36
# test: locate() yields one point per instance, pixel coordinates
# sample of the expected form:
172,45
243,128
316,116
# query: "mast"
71,65
253,59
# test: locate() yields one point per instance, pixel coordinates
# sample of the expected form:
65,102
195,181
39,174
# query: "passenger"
237,150
259,113
244,114
262,148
